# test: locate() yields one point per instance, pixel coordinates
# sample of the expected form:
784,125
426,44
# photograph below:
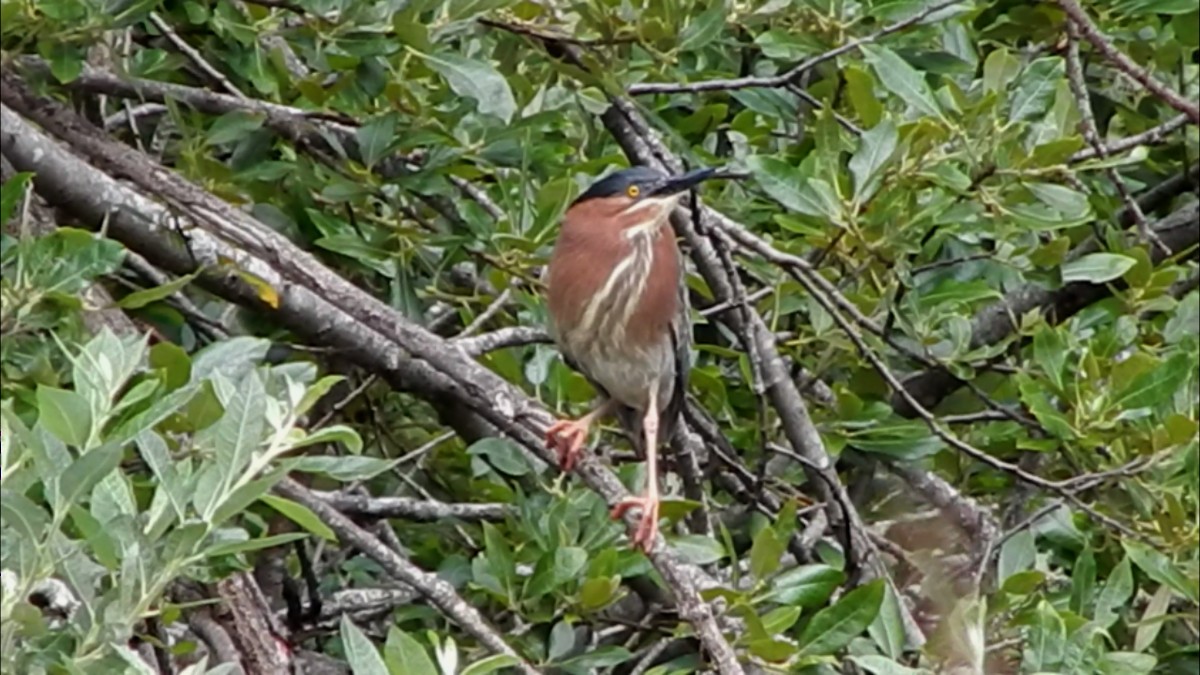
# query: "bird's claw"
566,438
647,527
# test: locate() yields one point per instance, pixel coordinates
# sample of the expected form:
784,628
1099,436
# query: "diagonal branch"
792,74
1091,134
311,300
438,591
1123,63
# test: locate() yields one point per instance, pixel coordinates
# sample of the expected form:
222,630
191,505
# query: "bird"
618,314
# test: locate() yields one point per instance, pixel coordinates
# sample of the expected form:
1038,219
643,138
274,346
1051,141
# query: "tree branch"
421,510
792,74
311,300
1125,64
436,590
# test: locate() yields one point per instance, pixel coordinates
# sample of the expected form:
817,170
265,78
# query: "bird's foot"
566,438
647,527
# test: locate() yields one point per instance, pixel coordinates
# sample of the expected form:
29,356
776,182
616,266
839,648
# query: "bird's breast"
611,306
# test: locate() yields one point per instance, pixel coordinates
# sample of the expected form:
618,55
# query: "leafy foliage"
930,174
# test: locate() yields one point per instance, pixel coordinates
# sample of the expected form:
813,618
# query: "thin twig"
1091,134
792,74
346,400
948,437
438,591
1123,63
194,56
486,315
407,508
551,36
1152,136
511,336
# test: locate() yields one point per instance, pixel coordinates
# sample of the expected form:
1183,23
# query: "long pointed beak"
678,184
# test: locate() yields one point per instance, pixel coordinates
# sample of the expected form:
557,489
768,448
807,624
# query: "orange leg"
647,528
566,437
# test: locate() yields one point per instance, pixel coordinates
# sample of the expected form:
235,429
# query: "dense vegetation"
275,373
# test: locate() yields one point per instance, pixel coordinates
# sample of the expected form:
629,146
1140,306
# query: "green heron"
618,313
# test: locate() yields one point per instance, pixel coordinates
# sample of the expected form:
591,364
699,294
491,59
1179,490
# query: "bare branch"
1152,136
194,56
435,589
312,300
411,509
792,74
1125,64
1090,133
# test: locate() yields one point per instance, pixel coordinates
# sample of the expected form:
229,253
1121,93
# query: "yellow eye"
633,191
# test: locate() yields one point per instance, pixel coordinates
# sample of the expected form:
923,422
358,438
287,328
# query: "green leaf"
697,549
405,656
1157,386
834,627
902,79
999,69
882,665
1050,352
146,296
237,435
569,561
490,664
232,358
1046,641
234,126
1068,202
806,585
301,515
1161,569
1017,554
1127,663
174,361
703,29
1083,582
602,657
376,137
597,592
1035,90
85,472
337,433
233,547
65,414
361,653
860,87
765,553
499,556
478,80
874,151
11,194
1142,7
1097,268
784,184
887,630
502,453
344,468
562,641
1152,623
1116,593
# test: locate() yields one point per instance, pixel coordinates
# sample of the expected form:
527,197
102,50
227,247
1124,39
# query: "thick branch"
312,300
994,323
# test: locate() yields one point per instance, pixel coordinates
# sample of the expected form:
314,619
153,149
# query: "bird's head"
638,196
